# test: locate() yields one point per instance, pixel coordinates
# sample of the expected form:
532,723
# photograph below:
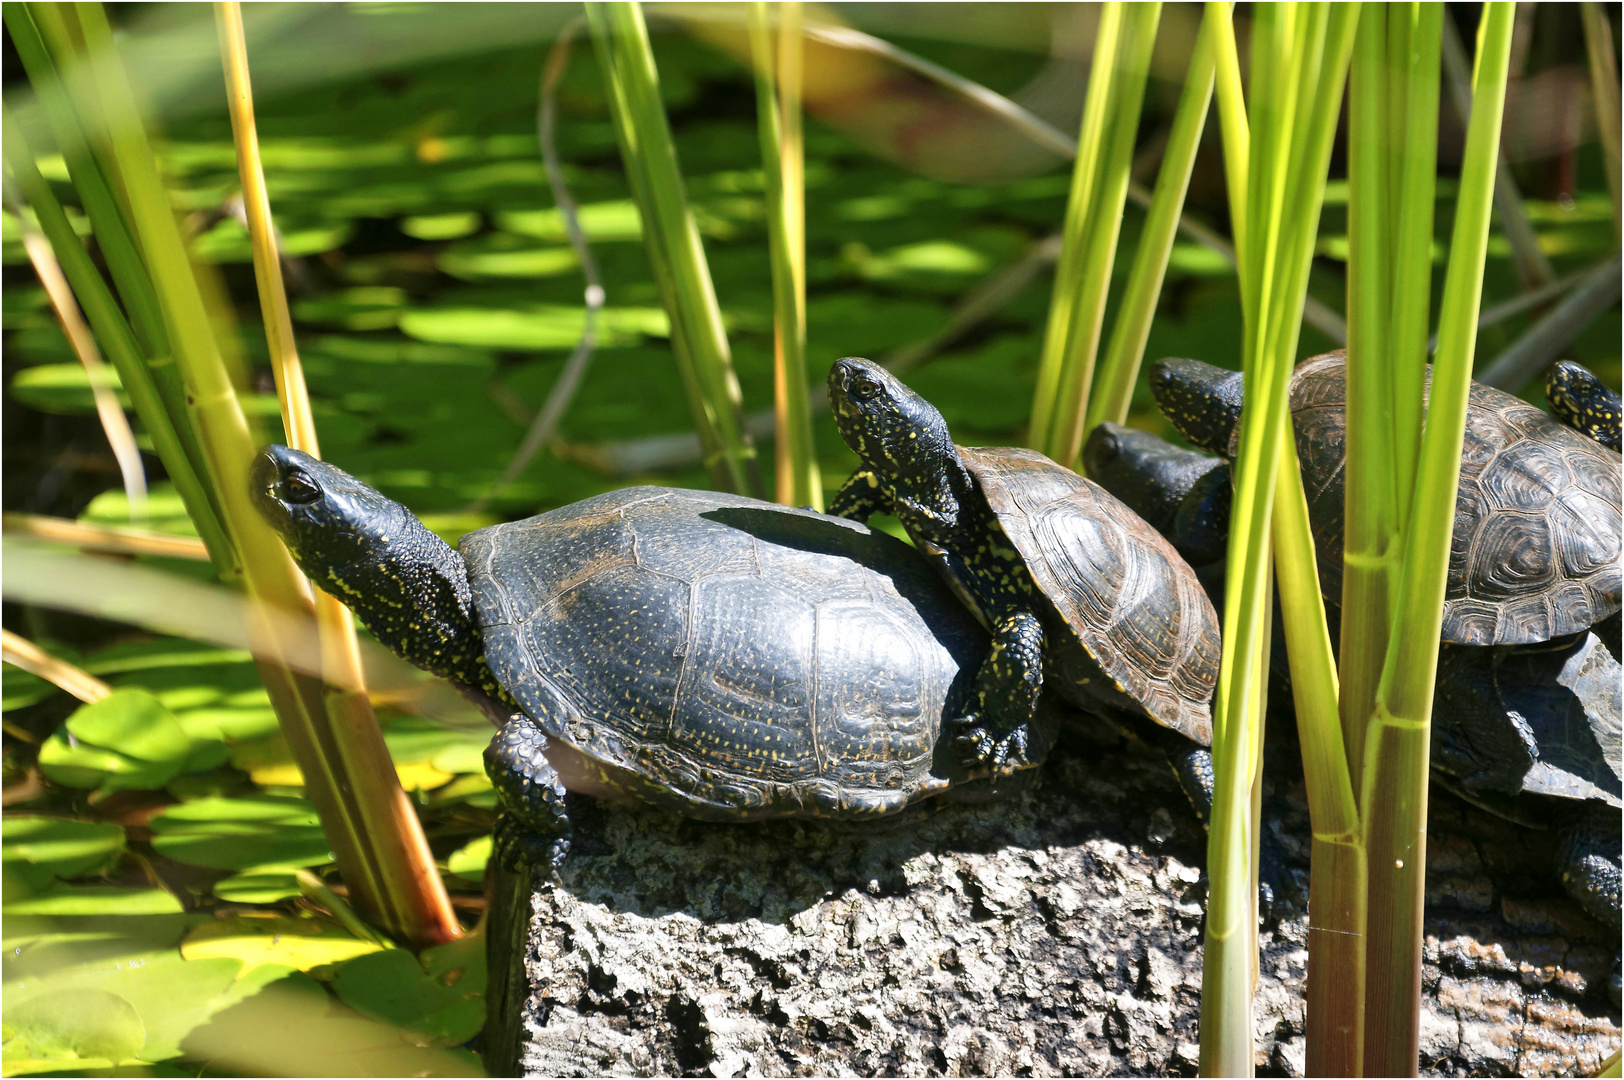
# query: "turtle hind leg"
1588,855
533,827
999,734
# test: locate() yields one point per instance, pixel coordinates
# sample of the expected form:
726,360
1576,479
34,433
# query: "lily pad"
297,943
241,833
103,900
70,1025
65,847
535,329
127,740
469,860
261,885
392,986
63,388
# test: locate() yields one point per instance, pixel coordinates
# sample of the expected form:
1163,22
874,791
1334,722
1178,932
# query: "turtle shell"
1118,589
1536,545
734,658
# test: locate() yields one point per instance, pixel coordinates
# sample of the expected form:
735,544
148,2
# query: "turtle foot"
981,748
516,847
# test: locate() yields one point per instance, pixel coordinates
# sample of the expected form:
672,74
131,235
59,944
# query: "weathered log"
1057,931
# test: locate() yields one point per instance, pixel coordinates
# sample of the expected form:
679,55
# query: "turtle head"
1182,494
1145,471
1584,403
1202,401
405,583
896,433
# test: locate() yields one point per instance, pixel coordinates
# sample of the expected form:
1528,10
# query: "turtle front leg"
997,734
860,497
533,827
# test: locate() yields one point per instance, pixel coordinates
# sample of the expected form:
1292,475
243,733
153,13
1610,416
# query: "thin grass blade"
1119,370
414,896
675,252
778,113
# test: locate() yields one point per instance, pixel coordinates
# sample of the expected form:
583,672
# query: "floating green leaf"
392,986
261,885
102,900
469,860
296,943
63,388
65,847
241,833
535,329
74,1024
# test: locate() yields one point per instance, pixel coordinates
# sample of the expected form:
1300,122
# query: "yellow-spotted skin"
1584,403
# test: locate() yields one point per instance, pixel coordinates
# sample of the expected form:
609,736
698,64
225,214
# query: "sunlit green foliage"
436,299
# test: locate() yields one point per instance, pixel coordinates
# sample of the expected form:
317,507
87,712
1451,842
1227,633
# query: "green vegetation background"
151,881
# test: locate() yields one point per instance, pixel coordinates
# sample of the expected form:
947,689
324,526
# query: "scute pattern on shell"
1132,602
1536,545
747,659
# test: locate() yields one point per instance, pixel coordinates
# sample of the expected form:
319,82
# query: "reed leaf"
1394,789
681,273
1299,54
1096,232
413,896
1604,89
1119,371
798,481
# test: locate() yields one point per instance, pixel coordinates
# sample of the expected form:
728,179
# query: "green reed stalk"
783,158
1369,553
1119,371
117,341
1067,371
676,255
1070,269
1394,791
412,893
1299,56
178,383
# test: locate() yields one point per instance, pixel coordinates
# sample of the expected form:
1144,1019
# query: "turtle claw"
980,750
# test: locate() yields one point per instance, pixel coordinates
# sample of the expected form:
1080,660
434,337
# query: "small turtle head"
1202,401
1584,403
893,430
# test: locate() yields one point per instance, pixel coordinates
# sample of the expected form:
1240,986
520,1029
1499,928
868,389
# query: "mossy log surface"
1054,932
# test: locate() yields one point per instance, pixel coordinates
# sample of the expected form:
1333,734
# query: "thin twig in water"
1533,268
552,411
1540,347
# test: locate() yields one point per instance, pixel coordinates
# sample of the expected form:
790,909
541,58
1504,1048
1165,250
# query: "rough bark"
1057,931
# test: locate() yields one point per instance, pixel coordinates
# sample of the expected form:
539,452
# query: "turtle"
1529,730
721,657
1538,520
1081,596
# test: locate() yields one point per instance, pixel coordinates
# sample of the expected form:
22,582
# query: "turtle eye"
864,389
297,488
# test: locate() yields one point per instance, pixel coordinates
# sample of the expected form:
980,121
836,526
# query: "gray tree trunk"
1057,931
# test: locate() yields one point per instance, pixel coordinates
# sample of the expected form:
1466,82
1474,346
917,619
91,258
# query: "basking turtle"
1528,731
727,658
1082,597
1537,521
